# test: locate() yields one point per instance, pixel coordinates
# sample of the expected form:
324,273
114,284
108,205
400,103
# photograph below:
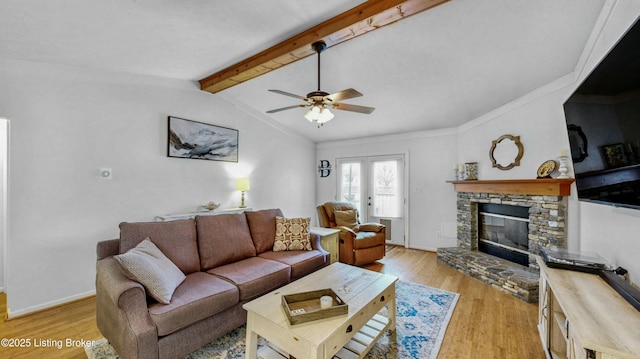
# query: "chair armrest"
372,227
122,314
346,230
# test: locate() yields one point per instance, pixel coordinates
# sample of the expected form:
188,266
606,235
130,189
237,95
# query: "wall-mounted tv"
603,124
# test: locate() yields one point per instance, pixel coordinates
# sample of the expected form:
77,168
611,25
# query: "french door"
375,185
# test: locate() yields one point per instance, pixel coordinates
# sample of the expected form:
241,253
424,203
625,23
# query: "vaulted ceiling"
437,69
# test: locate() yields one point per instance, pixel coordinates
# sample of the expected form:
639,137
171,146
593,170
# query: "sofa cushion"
347,219
146,265
262,225
176,239
201,295
292,234
254,276
222,239
301,262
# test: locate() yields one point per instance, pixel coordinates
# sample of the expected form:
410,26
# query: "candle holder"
563,167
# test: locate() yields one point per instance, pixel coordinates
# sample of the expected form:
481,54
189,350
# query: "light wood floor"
486,323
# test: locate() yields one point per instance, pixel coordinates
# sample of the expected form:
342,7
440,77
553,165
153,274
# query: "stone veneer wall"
547,219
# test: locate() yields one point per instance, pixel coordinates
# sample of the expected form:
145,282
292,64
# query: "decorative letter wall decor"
324,168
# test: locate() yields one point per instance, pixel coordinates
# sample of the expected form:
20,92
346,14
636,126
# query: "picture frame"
201,141
614,155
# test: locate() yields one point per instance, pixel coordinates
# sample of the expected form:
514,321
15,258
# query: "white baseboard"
47,305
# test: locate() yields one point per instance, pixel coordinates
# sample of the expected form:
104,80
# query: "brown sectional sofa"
228,261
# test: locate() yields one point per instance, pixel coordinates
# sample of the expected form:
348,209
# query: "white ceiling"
438,69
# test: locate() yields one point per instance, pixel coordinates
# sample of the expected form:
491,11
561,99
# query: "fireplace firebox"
503,231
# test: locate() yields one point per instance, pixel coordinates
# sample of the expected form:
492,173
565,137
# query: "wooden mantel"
543,186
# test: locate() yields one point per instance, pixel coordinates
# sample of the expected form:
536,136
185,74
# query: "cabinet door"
543,312
576,351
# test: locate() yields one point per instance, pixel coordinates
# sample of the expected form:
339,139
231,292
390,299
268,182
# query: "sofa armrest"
316,244
372,227
107,248
122,314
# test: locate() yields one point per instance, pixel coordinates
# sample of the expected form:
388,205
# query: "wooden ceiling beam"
362,19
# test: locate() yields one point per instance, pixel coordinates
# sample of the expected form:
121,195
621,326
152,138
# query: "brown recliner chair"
359,243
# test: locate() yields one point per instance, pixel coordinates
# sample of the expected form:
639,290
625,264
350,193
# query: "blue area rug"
422,316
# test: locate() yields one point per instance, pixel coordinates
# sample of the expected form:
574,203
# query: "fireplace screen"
507,231
503,231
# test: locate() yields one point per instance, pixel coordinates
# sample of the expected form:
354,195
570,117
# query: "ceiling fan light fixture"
325,115
319,114
313,114
320,101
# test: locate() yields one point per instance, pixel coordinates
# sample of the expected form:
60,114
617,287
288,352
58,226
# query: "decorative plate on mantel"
546,168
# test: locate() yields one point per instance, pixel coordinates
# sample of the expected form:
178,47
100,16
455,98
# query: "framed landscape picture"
202,141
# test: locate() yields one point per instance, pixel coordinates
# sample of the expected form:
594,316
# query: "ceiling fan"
321,102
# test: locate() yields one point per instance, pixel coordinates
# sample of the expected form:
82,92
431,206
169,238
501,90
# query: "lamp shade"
242,184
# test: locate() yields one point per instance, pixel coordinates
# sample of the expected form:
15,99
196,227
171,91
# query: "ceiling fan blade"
354,108
289,94
343,95
286,108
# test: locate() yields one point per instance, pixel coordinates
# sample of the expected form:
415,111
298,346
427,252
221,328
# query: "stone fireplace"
545,203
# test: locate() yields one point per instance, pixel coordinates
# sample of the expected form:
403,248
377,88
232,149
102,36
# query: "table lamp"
242,184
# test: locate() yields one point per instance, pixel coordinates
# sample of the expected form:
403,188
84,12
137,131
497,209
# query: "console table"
582,317
175,217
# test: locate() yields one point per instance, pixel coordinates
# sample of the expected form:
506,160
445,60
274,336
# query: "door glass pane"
350,183
385,183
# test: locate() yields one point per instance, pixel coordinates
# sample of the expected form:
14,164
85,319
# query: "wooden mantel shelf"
543,186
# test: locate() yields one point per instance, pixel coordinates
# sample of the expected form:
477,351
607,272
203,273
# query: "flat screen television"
603,125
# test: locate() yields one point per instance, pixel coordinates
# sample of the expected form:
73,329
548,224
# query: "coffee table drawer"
353,326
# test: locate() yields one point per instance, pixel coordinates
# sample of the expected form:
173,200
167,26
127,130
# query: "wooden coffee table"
347,336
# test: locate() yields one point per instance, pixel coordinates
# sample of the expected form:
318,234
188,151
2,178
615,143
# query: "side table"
329,241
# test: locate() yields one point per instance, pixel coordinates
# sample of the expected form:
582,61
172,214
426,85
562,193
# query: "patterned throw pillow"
292,234
147,265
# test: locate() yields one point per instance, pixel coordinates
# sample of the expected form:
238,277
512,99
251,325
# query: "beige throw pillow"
347,218
292,234
147,265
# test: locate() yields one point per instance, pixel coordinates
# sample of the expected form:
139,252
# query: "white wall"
538,118
431,156
540,121
69,122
